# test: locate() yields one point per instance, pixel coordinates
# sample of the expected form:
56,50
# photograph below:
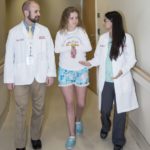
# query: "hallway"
55,126
55,131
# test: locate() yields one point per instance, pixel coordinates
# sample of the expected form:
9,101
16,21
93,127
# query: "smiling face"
73,21
32,14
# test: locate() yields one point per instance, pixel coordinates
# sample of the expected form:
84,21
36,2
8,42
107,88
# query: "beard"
35,19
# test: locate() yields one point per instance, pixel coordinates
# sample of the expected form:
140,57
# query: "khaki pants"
22,94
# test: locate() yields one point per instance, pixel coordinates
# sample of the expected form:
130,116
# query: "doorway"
89,20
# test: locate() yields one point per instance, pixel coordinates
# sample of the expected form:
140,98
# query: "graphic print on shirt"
72,41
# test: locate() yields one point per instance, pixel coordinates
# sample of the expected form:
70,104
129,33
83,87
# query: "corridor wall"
13,13
4,94
2,28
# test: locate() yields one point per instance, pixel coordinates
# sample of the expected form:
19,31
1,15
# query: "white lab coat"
126,99
17,68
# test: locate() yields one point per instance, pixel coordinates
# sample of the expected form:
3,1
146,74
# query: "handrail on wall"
141,77
142,73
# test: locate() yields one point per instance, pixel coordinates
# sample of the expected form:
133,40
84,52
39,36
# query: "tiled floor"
55,126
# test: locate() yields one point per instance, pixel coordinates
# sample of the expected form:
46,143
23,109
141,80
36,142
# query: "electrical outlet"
98,15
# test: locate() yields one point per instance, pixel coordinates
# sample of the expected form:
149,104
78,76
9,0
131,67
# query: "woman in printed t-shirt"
72,43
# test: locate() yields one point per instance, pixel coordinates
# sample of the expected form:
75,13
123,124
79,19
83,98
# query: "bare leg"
68,93
81,96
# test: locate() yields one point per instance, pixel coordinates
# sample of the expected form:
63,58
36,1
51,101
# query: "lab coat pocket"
42,41
126,83
42,48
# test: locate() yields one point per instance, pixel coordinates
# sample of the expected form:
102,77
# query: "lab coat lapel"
24,30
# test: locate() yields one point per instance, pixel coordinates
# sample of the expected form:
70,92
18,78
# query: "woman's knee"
81,104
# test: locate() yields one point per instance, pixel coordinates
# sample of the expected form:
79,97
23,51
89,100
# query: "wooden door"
90,26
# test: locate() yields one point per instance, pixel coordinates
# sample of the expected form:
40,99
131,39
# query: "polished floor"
54,131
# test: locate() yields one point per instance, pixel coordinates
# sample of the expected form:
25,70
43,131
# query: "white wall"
137,23
141,117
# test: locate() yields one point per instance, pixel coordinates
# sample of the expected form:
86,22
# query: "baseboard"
139,138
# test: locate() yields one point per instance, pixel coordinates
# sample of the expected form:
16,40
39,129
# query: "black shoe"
118,147
21,148
103,134
36,144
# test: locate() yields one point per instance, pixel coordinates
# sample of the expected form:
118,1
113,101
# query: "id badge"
29,60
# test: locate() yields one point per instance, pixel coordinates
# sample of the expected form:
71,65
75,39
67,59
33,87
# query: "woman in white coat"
115,55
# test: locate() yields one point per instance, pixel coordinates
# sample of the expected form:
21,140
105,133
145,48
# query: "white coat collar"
106,37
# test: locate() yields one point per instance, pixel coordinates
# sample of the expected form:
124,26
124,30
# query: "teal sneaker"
79,128
70,143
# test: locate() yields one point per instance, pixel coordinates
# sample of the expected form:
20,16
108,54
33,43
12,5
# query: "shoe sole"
69,148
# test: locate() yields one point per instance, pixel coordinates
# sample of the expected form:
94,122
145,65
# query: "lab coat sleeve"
96,60
51,57
9,59
129,53
85,45
59,45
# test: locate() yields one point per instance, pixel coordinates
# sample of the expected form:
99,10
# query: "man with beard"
29,67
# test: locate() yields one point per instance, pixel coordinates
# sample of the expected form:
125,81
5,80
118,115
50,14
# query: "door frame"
96,38
96,20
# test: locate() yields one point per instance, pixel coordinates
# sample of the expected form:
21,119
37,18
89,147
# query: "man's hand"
73,52
10,86
85,63
49,81
118,75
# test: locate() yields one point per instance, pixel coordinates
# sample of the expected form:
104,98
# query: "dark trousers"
119,120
